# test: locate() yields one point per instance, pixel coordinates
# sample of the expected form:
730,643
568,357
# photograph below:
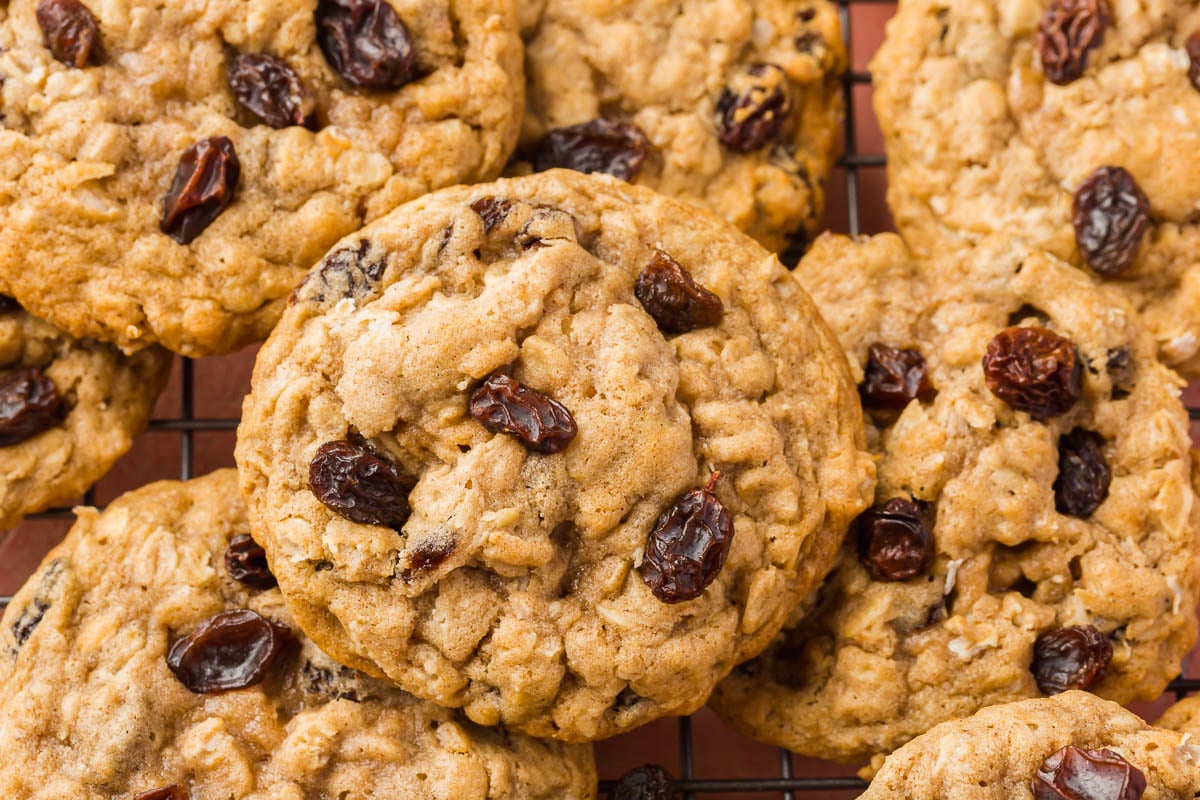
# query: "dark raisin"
676,302
427,554
1070,658
70,31
346,272
1120,372
360,483
894,540
492,210
1083,473
8,304
650,782
246,563
1070,29
29,404
1192,46
893,378
1110,215
752,111
601,145
231,650
31,617
325,683
271,90
172,792
1073,773
365,42
502,405
1034,370
204,183
688,545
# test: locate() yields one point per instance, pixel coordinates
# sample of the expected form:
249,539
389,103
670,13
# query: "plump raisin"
893,378
1083,473
502,405
246,562
1120,372
29,404
752,111
1070,658
1110,215
365,42
204,183
688,545
172,792
426,555
271,90
676,302
601,145
1034,370
1073,773
650,782
360,483
492,210
1070,29
1192,47
894,540
70,31
231,650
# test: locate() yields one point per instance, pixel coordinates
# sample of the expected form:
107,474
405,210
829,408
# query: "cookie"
734,105
1072,745
557,450
171,169
1068,122
1184,717
69,408
1034,526
151,650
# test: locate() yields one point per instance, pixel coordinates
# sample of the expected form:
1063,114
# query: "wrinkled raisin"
753,110
676,302
1070,658
502,405
893,378
601,145
650,782
271,90
246,562
1120,372
360,483
172,792
1083,473
1070,29
1110,216
204,183
70,31
427,554
231,650
346,272
492,210
1073,773
29,404
1192,47
32,614
1034,370
365,42
894,540
688,545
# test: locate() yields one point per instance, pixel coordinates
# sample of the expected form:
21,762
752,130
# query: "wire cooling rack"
859,167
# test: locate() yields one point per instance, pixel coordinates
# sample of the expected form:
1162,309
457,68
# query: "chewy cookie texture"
150,657
170,169
557,450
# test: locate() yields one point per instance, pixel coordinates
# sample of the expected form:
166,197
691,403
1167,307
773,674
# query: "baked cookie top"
734,105
1072,123
171,169
150,650
1184,717
1049,747
558,450
1034,526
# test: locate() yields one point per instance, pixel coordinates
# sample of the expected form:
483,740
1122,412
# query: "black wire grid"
787,783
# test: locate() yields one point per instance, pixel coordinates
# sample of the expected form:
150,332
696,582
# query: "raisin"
1070,29
1110,216
30,618
894,540
271,90
492,210
1070,658
231,650
752,112
204,182
502,405
324,683
1073,773
1034,370
676,302
688,545
360,483
427,554
70,30
894,378
246,562
1083,473
29,404
1192,47
650,782
346,272
172,792
600,145
1120,372
365,42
